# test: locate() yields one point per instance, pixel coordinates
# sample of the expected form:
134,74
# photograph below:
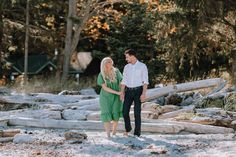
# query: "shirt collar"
136,63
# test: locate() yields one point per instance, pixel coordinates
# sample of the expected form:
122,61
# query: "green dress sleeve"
100,80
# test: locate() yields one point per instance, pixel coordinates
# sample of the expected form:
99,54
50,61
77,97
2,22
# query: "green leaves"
135,29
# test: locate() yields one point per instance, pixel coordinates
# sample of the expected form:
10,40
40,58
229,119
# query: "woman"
110,104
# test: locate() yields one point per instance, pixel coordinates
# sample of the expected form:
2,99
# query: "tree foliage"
177,39
134,29
196,40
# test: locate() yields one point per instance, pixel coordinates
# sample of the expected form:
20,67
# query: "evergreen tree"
134,30
194,43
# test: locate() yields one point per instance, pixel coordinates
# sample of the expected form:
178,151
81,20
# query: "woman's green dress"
110,104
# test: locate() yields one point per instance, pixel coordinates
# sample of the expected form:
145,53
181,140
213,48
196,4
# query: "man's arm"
143,96
123,83
145,83
122,90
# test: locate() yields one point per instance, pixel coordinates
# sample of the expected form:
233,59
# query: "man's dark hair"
130,52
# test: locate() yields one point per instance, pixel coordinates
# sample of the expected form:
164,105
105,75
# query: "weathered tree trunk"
80,27
90,9
68,42
3,122
60,58
1,36
6,139
154,126
1,27
91,125
26,43
158,92
234,67
176,113
9,133
194,127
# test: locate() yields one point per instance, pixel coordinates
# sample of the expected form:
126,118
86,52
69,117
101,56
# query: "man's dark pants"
133,95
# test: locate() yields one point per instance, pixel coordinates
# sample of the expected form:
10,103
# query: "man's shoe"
137,137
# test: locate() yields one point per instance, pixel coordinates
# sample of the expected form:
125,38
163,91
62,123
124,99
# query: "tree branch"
228,23
88,13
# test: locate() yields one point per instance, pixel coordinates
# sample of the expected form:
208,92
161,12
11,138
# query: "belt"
133,88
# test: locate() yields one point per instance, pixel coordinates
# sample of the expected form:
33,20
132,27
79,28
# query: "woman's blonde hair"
110,75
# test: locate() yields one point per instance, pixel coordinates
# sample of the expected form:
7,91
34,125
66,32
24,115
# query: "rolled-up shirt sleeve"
145,75
124,80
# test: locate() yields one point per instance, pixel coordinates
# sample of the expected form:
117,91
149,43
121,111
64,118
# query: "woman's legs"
114,127
107,128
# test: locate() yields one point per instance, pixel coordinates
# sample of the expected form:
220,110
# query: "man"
133,89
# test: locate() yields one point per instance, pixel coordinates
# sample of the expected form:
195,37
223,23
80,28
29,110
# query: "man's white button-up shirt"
135,75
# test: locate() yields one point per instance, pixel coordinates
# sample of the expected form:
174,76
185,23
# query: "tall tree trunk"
59,66
72,41
234,67
26,44
68,42
79,27
1,27
1,36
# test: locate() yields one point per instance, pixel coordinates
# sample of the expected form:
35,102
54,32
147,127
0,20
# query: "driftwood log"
9,133
3,121
91,125
154,126
194,127
6,139
183,87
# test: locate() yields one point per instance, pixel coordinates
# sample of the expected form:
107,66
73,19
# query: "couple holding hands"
119,91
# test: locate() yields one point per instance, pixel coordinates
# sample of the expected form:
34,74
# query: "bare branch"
88,13
227,23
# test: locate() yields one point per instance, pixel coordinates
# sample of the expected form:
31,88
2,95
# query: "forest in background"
179,40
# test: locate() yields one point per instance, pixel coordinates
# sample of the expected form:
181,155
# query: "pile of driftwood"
167,110
8,135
